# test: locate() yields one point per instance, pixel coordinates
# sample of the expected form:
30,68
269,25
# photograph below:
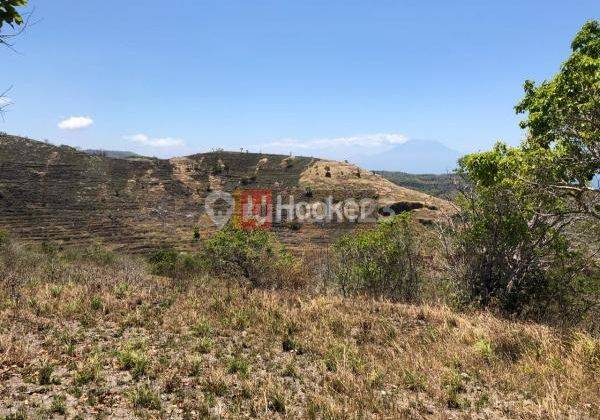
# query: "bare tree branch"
4,102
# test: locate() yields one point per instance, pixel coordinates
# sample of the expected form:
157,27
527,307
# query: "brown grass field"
94,335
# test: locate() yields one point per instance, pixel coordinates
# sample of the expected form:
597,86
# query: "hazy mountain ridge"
413,156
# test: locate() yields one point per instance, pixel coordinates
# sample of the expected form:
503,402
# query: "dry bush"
253,256
383,262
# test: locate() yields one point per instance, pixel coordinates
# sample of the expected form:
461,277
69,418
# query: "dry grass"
98,337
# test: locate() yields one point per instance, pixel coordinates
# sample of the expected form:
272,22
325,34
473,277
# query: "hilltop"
62,194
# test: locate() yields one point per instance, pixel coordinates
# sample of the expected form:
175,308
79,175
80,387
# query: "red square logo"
254,209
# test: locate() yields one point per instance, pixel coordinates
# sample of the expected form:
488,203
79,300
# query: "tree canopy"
10,16
9,13
563,116
525,204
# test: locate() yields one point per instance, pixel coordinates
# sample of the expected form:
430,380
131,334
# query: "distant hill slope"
63,194
443,186
117,154
414,156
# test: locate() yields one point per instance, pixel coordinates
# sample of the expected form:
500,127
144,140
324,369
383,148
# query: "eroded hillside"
62,194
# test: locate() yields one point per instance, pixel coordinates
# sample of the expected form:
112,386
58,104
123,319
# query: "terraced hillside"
62,194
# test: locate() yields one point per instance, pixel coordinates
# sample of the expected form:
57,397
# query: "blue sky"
171,78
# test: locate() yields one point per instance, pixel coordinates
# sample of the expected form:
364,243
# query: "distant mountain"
117,154
413,156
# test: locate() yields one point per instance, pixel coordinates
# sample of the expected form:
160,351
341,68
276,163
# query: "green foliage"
238,365
195,365
563,120
455,388
9,14
169,262
511,243
254,255
484,348
163,261
4,238
383,262
414,381
201,328
143,396
58,405
517,247
89,372
45,372
134,359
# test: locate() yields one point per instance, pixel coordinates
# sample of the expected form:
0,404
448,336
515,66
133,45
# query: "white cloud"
159,142
75,123
365,140
335,147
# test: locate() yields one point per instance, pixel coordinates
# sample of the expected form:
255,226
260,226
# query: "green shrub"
58,405
45,371
254,255
238,365
201,328
4,237
164,261
169,262
382,262
96,303
89,372
143,396
133,359
511,248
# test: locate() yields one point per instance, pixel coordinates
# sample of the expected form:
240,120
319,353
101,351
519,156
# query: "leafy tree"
515,242
512,241
563,123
